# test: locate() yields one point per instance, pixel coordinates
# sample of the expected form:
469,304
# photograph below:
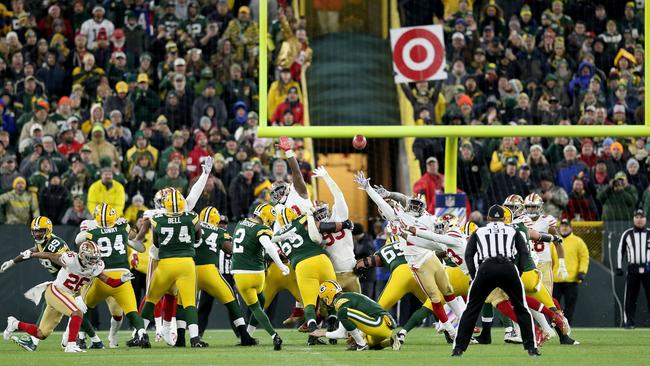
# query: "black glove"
347,224
581,276
557,239
619,272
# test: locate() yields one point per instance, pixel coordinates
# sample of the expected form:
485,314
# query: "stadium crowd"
531,63
111,101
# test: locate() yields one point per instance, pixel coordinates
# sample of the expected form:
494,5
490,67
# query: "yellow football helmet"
286,216
507,215
328,291
210,215
174,202
469,228
41,229
105,215
264,212
159,197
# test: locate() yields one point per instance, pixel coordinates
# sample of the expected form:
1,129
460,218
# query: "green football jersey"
247,251
207,249
112,244
174,235
195,27
54,245
391,256
523,230
360,302
299,246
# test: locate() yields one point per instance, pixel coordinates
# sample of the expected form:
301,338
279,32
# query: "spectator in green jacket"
172,179
618,199
178,145
20,205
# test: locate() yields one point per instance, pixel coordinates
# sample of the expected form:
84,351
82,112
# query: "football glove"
561,270
285,270
361,180
126,277
6,265
81,304
320,172
381,191
347,224
207,164
26,254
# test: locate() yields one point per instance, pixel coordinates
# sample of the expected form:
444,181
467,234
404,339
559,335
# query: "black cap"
565,222
639,212
496,212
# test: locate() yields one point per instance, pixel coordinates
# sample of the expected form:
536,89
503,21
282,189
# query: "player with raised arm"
62,295
174,234
370,325
426,267
46,241
112,238
206,259
252,237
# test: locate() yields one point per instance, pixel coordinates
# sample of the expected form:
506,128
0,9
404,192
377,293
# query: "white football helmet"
533,204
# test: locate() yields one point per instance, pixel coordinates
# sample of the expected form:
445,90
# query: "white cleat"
401,336
112,340
71,347
159,336
396,343
12,325
169,336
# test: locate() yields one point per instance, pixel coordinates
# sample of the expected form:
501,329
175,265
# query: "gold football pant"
211,281
459,280
348,281
310,273
433,280
400,283
275,282
180,272
377,330
123,295
249,285
533,285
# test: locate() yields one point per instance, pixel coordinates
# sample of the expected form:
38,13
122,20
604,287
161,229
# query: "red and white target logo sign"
418,53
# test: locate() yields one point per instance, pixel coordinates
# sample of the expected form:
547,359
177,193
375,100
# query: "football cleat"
12,325
247,340
356,347
81,342
196,342
159,336
112,340
71,347
534,352
512,336
540,337
169,336
449,328
332,325
277,342
133,342
448,337
180,342
456,352
25,343
97,345
569,341
395,342
144,341
401,336
561,322
314,341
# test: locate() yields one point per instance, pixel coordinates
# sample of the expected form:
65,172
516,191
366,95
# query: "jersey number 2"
239,238
74,282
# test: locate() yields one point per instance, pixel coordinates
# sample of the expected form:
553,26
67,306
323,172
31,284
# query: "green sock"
234,312
135,320
87,327
147,311
180,313
261,317
417,318
310,313
190,314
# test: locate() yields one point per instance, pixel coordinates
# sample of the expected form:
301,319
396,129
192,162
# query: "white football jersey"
339,246
457,252
541,249
73,276
298,204
528,222
415,256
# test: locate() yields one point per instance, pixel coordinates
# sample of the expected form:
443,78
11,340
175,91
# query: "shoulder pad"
340,302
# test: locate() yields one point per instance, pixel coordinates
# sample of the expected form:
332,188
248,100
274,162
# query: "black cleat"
534,352
332,325
314,341
457,352
180,341
448,338
277,342
566,340
196,342
484,338
133,342
97,345
247,341
311,326
81,342
144,341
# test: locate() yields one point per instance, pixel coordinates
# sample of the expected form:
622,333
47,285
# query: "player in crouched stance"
367,323
62,295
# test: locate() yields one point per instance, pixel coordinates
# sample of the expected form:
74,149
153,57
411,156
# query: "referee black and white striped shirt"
635,243
494,240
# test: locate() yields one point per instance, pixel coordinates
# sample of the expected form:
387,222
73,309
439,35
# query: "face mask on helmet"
279,193
533,210
416,206
39,235
89,254
322,212
517,210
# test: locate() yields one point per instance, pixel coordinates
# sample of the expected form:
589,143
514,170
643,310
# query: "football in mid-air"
359,142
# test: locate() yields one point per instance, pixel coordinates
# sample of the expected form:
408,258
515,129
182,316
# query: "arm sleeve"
470,252
196,191
438,238
522,249
340,207
314,235
583,257
280,237
81,237
271,249
621,250
383,205
399,197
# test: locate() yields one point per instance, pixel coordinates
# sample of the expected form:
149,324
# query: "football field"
598,347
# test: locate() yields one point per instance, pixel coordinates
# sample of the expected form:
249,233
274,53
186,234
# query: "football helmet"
286,216
105,215
210,215
416,205
445,222
159,197
174,202
533,204
321,211
279,192
41,229
515,203
507,215
265,212
469,228
89,254
328,291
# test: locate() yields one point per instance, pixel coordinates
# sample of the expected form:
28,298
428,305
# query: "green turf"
609,347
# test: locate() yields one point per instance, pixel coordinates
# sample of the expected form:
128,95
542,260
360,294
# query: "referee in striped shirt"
494,248
635,243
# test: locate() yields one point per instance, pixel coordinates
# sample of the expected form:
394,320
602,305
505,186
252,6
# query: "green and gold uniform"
53,245
310,262
207,259
112,243
357,311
